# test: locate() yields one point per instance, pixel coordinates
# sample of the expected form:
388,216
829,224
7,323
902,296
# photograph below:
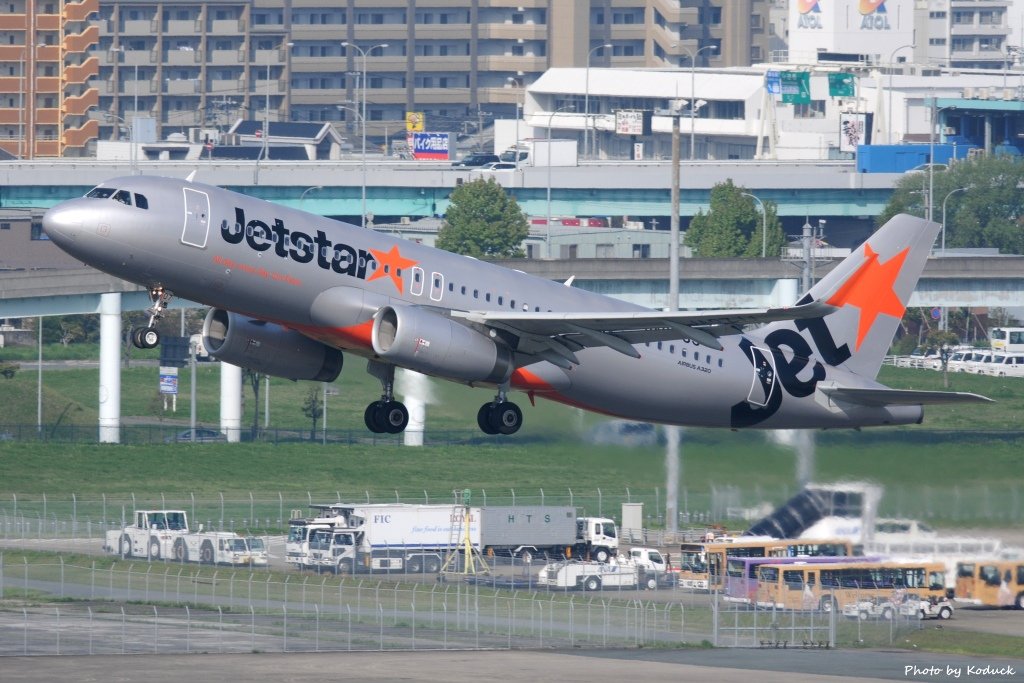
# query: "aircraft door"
765,377
197,218
436,286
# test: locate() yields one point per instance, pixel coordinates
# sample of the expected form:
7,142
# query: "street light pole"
364,53
517,81
586,100
266,103
931,157
547,223
944,319
764,224
892,56
693,89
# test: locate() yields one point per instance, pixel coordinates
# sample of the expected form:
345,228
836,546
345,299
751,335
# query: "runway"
646,666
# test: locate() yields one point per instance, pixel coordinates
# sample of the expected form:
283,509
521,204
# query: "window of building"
990,17
709,15
936,41
568,251
937,15
962,44
641,251
963,17
604,250
518,18
814,110
518,50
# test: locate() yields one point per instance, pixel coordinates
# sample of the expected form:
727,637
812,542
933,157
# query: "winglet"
191,176
568,283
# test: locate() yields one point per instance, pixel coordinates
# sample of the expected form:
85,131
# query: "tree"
989,213
732,226
313,408
776,237
483,221
254,378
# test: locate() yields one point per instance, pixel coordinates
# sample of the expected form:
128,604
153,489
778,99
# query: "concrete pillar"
415,389
231,402
785,292
110,368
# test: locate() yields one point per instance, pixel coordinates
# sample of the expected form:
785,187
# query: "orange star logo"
390,263
870,289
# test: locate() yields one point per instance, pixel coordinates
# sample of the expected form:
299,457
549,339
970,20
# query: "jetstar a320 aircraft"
290,291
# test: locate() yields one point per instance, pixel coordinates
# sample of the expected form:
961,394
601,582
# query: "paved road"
670,666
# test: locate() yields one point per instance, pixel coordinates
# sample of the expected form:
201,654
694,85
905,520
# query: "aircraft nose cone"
62,223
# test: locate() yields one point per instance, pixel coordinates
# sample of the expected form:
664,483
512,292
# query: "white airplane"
290,291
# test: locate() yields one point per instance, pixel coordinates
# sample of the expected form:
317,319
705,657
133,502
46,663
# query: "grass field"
965,465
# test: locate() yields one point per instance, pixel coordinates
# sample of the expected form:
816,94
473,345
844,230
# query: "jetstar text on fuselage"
298,246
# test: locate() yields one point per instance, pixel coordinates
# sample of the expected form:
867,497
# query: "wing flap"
619,330
899,397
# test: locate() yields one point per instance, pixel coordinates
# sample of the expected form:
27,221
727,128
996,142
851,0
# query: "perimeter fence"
66,514
130,608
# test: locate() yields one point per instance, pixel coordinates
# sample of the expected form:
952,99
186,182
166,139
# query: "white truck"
417,538
165,535
543,152
643,568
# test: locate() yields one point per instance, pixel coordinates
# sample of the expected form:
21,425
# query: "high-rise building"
203,63
965,34
47,77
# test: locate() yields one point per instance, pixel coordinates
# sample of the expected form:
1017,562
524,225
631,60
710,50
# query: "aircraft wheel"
149,337
484,419
507,417
393,416
135,337
370,417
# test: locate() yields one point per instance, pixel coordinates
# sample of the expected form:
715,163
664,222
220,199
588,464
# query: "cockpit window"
123,196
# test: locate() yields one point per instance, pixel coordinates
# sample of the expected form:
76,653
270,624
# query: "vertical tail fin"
870,289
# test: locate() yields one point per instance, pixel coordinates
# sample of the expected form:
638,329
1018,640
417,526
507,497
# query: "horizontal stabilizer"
899,397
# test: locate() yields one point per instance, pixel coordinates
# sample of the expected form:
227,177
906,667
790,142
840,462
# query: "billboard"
414,121
169,380
430,146
632,122
853,131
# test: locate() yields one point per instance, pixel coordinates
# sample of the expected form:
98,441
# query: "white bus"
1007,339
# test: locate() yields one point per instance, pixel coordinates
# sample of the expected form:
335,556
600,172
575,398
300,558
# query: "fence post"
89,610
284,609
188,629
348,608
156,628
57,610
316,641
122,629
252,624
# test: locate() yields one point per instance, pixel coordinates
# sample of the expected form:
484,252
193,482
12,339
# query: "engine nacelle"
417,339
268,348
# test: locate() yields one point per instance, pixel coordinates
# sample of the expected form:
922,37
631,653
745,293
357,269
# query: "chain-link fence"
132,608
70,515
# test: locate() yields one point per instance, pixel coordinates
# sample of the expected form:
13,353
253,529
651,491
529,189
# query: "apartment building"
46,77
205,63
965,34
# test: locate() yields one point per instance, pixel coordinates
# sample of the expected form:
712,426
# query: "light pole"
943,320
764,224
693,88
892,56
948,194
931,156
362,123
586,100
131,139
547,223
518,83
365,53
302,196
266,102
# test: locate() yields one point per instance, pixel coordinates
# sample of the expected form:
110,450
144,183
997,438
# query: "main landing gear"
386,415
500,416
148,337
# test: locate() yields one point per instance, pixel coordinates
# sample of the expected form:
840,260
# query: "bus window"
965,570
989,574
794,579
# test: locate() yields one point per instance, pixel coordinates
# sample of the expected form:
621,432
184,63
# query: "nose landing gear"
148,337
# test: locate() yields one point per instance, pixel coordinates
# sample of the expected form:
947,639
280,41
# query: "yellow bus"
830,586
702,565
994,583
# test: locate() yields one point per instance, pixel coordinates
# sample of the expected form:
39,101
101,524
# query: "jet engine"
268,348
420,340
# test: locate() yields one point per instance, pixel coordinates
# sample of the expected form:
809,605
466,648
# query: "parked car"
471,160
203,435
497,166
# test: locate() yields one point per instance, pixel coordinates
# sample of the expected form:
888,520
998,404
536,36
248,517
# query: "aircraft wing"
888,397
552,335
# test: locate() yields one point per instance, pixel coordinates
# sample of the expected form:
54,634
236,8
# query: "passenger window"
476,293
463,289
487,296
684,353
451,286
141,201
719,362
512,303
671,348
499,300
659,346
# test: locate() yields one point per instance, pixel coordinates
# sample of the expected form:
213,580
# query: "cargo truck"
416,538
